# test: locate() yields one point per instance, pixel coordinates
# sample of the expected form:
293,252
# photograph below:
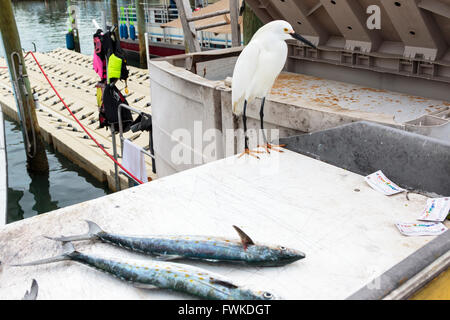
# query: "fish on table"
161,274
208,248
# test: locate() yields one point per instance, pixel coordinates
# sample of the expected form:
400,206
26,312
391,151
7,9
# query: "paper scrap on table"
381,183
437,209
421,228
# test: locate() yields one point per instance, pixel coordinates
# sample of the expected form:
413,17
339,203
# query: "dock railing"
131,181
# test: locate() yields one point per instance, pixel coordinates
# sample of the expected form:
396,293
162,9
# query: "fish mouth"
300,256
292,257
297,256
282,261
300,38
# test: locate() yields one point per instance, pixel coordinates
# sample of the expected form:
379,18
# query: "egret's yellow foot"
250,153
268,146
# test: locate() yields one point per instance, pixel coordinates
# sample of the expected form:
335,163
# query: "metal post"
73,16
147,48
35,150
116,167
121,138
103,22
152,151
250,23
190,34
114,15
140,15
235,29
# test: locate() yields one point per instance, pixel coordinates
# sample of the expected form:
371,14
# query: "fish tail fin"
92,233
94,229
68,250
32,294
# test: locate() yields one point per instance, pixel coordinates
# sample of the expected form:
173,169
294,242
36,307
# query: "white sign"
421,228
437,209
379,182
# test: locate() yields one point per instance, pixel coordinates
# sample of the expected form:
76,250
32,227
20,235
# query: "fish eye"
286,29
282,248
267,295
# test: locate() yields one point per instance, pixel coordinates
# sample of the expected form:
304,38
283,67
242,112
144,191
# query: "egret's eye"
282,248
267,295
286,30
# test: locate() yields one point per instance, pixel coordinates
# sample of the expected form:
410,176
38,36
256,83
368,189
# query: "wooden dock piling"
36,156
140,14
72,10
114,16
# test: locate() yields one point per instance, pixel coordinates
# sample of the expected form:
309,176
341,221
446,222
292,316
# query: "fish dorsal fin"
226,284
245,239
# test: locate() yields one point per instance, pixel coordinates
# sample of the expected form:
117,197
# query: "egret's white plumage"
260,63
256,69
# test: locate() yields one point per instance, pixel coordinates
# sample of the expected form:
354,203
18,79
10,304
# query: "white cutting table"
289,199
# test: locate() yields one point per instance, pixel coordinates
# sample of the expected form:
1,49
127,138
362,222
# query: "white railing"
156,15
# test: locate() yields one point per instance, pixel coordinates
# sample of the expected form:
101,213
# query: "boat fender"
125,31
132,32
70,43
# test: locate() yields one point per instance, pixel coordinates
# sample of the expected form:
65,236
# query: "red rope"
78,121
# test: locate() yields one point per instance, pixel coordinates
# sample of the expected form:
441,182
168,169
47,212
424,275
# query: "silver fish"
32,294
196,247
160,274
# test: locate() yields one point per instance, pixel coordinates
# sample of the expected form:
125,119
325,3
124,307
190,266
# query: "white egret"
256,69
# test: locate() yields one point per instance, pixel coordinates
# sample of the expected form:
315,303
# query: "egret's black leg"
261,117
244,120
266,144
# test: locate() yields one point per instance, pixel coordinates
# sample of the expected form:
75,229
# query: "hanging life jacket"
112,47
105,46
109,56
99,58
117,68
112,98
101,116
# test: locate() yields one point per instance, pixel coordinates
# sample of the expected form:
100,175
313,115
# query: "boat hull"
155,49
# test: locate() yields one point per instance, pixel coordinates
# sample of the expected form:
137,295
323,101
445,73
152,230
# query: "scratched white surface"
300,89
349,237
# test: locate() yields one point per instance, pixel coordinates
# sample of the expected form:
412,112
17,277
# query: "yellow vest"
114,67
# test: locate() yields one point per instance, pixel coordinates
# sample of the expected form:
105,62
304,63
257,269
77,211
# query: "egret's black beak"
299,37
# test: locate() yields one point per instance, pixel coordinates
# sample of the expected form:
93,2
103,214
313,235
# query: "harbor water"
32,194
43,25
